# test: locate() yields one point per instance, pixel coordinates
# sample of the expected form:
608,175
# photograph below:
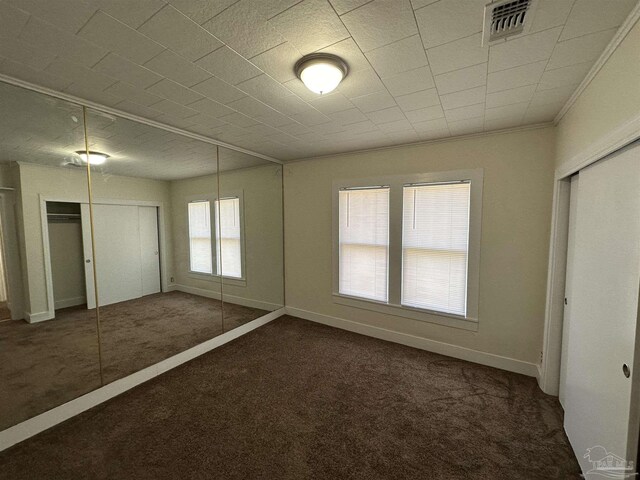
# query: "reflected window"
200,252
228,237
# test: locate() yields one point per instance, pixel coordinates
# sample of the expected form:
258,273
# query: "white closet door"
149,250
117,255
604,309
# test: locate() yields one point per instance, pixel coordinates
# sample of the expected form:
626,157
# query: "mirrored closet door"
152,195
49,349
249,237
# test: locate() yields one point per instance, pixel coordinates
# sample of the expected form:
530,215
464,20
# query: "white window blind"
364,242
228,245
435,246
200,255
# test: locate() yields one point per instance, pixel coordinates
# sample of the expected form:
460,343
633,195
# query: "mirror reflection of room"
49,349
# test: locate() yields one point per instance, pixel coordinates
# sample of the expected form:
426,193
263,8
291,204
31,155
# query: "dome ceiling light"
321,72
95,158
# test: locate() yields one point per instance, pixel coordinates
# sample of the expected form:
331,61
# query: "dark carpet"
298,400
46,364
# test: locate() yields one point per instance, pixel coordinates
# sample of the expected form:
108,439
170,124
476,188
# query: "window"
410,245
364,242
228,242
435,238
200,252
216,239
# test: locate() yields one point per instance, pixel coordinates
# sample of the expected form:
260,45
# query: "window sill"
439,318
208,277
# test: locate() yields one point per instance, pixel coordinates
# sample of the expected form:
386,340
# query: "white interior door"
149,250
117,239
88,255
603,302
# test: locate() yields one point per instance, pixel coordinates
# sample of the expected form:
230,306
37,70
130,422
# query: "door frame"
549,369
162,239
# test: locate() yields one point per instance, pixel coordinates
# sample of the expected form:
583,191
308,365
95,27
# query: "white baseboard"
245,302
70,302
455,351
37,317
48,419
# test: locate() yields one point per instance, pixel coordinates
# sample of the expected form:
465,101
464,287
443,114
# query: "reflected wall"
49,349
249,237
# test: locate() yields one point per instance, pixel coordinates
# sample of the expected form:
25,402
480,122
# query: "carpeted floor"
298,400
45,364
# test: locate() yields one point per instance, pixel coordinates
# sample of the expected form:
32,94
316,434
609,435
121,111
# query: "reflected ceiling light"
321,72
95,158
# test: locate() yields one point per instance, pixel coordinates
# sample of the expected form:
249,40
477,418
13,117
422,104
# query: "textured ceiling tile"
410,81
244,28
346,117
229,66
466,126
523,50
380,22
387,115
69,15
174,91
343,6
425,114
278,62
134,94
444,22
462,79
106,31
513,110
274,119
417,100
177,68
264,88
374,101
251,107
515,77
174,30
463,98
590,16
296,86
80,74
218,90
334,102
422,3
502,123
437,125
310,25
140,110
12,20
402,125
553,95
360,82
134,13
290,105
239,119
580,50
507,97
550,13
122,69
21,52
398,57
458,54
89,92
315,118
38,77
210,107
47,37
174,109
464,113
560,77
201,10
350,53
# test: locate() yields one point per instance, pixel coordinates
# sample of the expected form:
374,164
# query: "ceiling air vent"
504,19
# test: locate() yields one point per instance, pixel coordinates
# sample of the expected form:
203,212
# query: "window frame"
214,277
394,307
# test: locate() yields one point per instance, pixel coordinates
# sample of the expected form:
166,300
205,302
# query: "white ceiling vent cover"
508,18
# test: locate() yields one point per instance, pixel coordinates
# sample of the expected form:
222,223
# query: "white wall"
66,184
261,188
518,182
608,106
67,263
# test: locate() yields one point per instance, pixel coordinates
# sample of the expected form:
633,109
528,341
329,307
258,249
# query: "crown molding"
617,39
129,116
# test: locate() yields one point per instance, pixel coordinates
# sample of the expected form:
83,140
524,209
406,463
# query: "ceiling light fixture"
321,72
95,158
